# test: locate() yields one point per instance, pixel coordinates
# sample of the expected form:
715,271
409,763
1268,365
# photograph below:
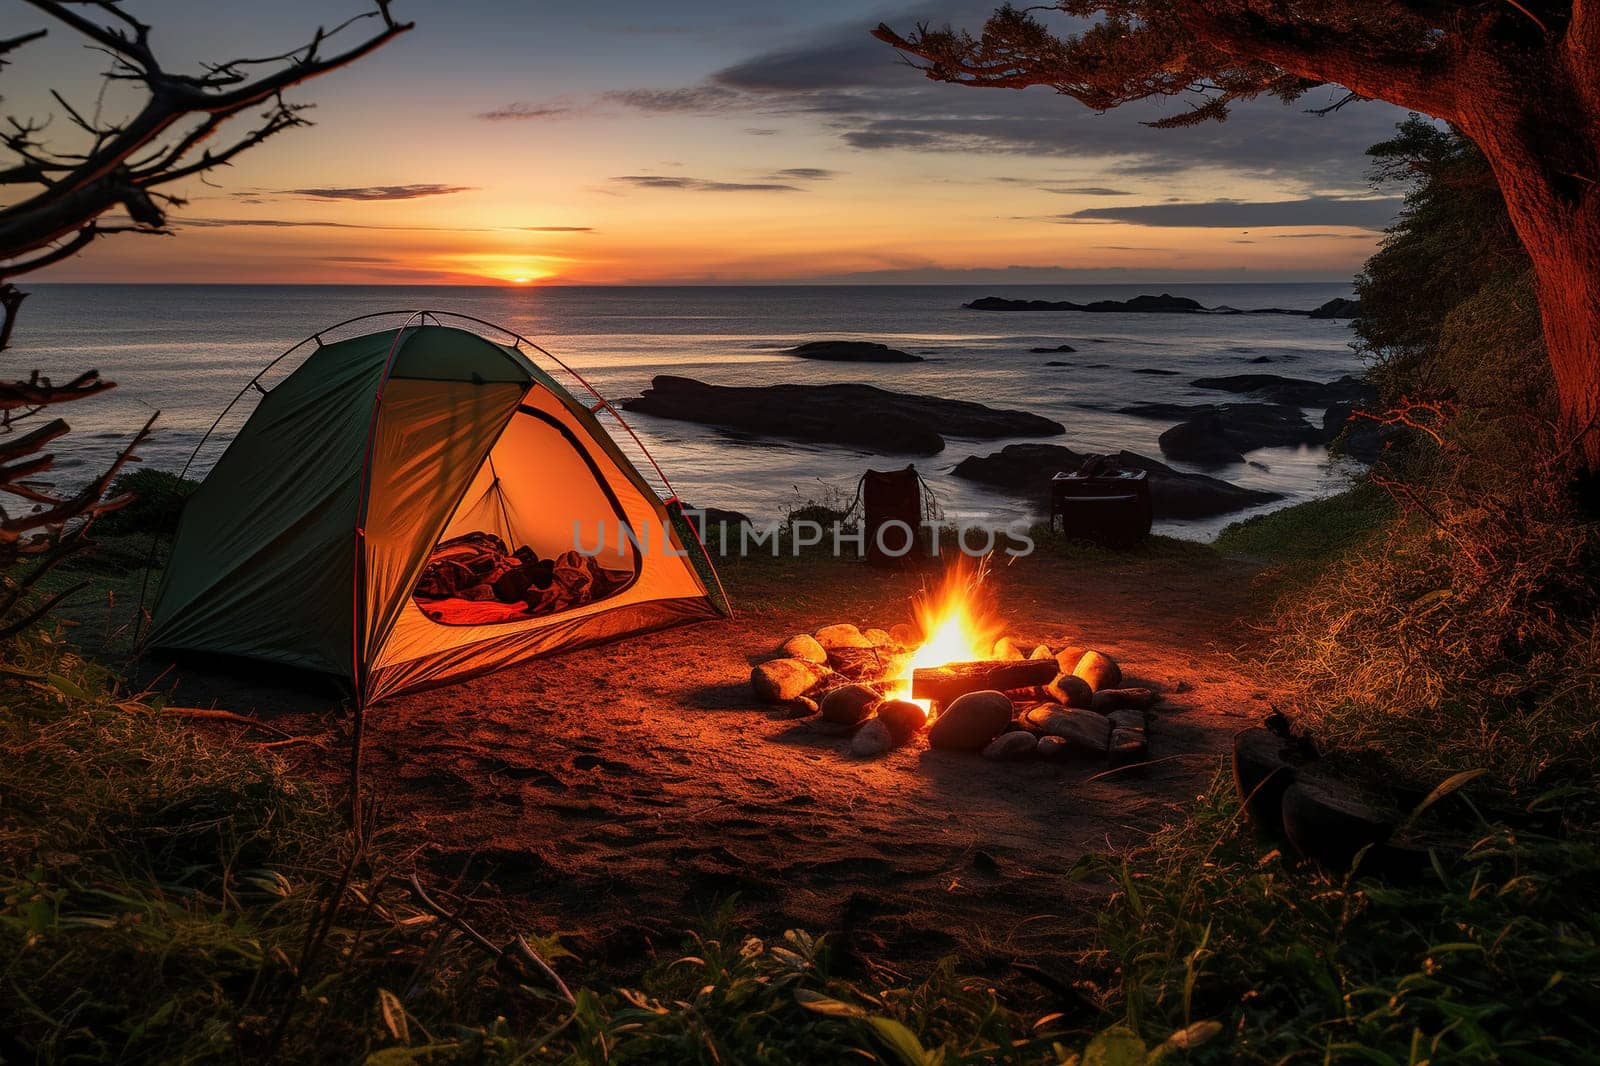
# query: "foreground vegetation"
171,898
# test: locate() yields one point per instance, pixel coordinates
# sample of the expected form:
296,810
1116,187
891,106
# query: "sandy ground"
619,792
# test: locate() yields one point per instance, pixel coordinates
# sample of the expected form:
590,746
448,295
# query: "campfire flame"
957,620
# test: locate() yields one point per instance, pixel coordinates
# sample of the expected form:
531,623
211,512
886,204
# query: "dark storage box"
1110,508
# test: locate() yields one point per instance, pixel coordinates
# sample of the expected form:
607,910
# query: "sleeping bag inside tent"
416,506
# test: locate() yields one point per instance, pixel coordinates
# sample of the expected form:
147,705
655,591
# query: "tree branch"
76,189
11,44
1421,82
11,299
78,243
88,502
38,392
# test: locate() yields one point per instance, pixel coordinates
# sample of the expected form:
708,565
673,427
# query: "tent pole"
500,498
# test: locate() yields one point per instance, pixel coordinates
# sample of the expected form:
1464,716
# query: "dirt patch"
622,791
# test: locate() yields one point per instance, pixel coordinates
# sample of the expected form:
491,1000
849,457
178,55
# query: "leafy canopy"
1408,52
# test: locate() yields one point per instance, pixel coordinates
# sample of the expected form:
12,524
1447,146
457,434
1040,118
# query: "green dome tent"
306,542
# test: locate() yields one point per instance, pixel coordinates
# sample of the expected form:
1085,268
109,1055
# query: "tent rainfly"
306,542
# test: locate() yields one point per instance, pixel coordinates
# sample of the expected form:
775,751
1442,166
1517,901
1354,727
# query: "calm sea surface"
187,350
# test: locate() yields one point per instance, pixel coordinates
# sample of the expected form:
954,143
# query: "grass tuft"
1494,957
1313,531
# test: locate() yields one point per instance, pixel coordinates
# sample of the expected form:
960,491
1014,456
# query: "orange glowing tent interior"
305,543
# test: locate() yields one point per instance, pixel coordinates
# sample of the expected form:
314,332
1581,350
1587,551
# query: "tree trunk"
1562,237
1542,140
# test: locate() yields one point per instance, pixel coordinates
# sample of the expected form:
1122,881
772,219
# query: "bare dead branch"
213,714
79,241
11,299
86,503
11,44
1413,414
28,443
518,948
77,188
38,392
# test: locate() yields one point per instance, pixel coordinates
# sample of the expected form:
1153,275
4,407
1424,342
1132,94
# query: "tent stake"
355,764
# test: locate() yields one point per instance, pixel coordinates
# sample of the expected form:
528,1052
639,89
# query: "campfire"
957,624
955,680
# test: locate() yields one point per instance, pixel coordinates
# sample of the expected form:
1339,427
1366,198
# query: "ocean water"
188,350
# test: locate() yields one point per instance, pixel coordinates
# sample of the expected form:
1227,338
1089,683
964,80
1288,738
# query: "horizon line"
752,284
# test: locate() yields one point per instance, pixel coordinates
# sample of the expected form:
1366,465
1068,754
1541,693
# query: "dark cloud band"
382,192
1371,214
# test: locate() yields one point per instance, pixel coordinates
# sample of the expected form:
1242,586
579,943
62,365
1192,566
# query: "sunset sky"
712,142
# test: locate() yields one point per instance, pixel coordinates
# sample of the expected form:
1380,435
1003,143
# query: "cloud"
858,88
1057,275
805,174
694,99
1324,236
357,259
1087,190
381,192
297,223
1237,214
286,223
662,181
522,111
643,29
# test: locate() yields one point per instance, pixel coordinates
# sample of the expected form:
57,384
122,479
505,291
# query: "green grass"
1494,957
1311,531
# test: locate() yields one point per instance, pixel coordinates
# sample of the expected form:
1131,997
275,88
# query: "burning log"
945,683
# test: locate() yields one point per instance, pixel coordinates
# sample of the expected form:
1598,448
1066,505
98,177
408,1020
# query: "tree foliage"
1447,304
1224,51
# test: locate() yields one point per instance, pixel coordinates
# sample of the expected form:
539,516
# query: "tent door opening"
537,533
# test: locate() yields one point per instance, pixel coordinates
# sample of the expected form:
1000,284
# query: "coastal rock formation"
1338,308
861,416
1026,469
1202,440
1166,303
1057,348
1300,392
852,352
1216,434
707,519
